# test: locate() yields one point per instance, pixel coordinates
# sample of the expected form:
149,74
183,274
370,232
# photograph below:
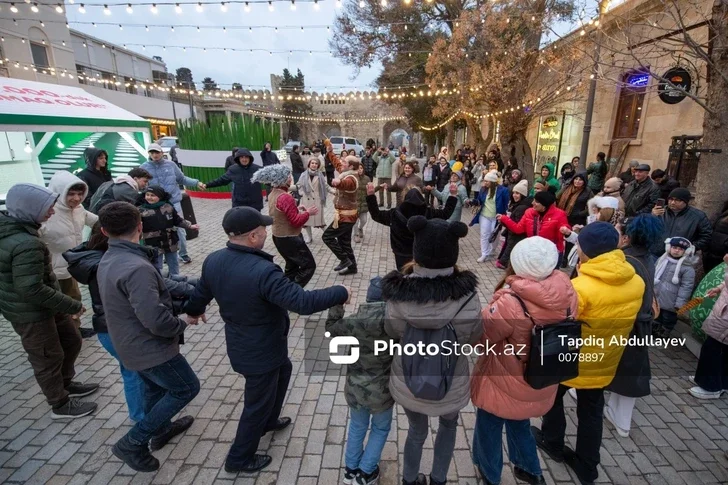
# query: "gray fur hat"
274,175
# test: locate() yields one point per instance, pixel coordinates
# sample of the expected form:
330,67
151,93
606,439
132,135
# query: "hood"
602,202
63,180
243,152
413,204
91,155
83,263
567,166
611,268
551,293
127,179
29,203
552,175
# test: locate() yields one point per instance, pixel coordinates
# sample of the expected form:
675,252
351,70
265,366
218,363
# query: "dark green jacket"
29,291
367,380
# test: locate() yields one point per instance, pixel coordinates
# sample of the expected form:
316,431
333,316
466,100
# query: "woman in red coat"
542,219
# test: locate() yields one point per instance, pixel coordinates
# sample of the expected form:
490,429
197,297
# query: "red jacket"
547,225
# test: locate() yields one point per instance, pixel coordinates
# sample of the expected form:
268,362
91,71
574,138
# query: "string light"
13,8
81,9
270,6
34,8
154,9
315,5
293,5
199,7
106,10
59,8
129,9
247,7
223,7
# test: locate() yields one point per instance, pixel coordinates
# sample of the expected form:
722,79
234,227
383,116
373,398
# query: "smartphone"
660,203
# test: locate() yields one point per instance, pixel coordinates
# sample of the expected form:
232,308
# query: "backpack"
430,377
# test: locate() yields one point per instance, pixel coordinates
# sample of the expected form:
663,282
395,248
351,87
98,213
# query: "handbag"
651,285
551,359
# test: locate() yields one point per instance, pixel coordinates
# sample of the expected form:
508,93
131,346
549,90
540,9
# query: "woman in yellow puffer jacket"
610,296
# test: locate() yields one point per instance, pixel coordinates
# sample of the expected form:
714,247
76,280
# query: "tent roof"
32,103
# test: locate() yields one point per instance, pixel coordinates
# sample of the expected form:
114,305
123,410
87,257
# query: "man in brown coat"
338,235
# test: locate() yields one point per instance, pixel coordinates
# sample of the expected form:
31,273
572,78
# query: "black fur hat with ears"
436,241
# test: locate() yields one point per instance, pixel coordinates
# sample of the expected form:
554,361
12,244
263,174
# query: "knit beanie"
275,175
680,193
491,176
521,187
545,198
444,254
534,258
679,242
158,191
598,238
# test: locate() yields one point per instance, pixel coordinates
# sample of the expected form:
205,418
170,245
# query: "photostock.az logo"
337,343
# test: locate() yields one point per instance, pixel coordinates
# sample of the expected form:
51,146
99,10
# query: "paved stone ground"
676,439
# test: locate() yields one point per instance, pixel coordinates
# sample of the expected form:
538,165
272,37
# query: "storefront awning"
28,105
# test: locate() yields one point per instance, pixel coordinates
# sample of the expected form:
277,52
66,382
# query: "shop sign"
681,83
549,135
638,80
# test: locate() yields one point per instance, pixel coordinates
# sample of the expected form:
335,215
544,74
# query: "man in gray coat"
145,334
125,188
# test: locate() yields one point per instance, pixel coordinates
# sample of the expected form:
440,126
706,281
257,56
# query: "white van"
345,143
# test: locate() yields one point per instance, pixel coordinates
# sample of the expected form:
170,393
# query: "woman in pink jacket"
498,388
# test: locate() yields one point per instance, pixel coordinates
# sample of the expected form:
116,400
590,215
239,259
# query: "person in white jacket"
64,230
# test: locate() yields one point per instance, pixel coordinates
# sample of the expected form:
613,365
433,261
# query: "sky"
249,69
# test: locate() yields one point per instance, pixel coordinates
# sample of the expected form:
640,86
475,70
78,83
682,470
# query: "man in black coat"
255,310
441,173
245,192
681,220
401,239
268,156
666,183
370,165
231,159
641,194
297,167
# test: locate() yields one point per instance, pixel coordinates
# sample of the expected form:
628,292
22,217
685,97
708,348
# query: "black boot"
556,455
137,457
343,265
282,423
524,476
258,462
351,269
178,427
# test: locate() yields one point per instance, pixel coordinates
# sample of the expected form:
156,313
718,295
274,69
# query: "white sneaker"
624,433
482,259
701,393
572,393
306,239
691,379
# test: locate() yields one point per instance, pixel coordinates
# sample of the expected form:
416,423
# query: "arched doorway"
330,129
398,133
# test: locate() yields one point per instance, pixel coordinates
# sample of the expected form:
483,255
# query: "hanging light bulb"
177,9
13,8
293,5
224,30
223,7
34,8
270,6
247,7
120,27
199,7
173,28
27,148
154,9
60,144
129,10
59,8
198,30
315,5
146,27
106,10
81,9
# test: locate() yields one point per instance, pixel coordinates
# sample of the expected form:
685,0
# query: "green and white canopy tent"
47,127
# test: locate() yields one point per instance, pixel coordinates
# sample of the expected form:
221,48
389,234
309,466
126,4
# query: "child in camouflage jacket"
367,386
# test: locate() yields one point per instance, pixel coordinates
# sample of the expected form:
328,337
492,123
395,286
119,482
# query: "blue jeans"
181,233
133,384
488,445
170,258
168,388
366,459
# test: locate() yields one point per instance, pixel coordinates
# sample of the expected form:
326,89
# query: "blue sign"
638,80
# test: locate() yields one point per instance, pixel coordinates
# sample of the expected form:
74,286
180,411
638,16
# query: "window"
629,109
40,55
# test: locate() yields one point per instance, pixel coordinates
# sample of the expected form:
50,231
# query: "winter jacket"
718,246
671,295
517,211
245,193
430,299
370,166
498,385
269,157
667,185
91,176
633,375
716,325
627,176
137,306
168,176
551,180
546,225
255,308
297,164
401,239
83,265
123,189
384,165
690,223
64,230
367,379
29,290
231,159
361,194
579,212
462,198
442,175
610,297
640,198
403,184
502,196
596,179
159,225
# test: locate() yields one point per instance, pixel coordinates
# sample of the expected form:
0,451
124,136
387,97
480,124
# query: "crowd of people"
630,245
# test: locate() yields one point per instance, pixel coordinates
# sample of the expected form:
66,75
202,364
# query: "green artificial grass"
220,134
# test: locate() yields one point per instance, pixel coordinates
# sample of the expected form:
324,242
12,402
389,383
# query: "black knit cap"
436,243
681,193
545,198
158,191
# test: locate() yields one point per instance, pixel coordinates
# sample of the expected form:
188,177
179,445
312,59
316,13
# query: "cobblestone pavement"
676,438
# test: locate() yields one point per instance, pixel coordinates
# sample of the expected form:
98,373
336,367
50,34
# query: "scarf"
568,198
306,186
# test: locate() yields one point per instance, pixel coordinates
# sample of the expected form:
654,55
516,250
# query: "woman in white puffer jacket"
64,230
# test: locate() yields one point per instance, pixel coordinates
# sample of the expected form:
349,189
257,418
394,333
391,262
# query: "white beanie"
491,176
534,258
521,187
